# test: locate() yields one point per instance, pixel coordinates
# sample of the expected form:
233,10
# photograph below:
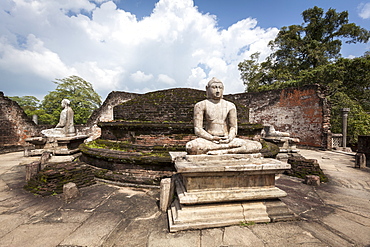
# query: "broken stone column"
167,191
70,191
32,169
45,157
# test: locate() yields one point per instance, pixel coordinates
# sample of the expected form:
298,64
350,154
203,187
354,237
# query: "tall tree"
28,103
31,106
84,100
310,54
297,48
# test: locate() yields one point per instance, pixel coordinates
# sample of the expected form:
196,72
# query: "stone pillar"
166,195
32,169
45,157
344,125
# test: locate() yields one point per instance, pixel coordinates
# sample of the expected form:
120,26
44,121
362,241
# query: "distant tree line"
310,54
84,100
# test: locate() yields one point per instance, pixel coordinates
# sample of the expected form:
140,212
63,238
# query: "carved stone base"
231,194
55,145
184,217
222,190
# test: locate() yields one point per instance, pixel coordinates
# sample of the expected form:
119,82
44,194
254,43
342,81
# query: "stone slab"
36,235
202,216
226,195
321,232
102,224
241,236
282,235
228,163
9,222
164,239
212,237
215,215
359,233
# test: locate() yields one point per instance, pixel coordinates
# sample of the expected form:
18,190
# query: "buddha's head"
215,89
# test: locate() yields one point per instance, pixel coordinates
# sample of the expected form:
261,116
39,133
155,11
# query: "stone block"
166,195
215,215
45,157
32,169
360,160
70,191
312,180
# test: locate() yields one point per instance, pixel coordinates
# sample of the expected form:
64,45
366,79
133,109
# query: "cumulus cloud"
175,46
364,10
140,76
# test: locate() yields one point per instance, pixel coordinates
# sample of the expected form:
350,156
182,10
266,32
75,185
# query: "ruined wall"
163,117
105,112
15,126
303,112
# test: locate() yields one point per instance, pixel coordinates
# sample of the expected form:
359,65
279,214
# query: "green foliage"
358,119
317,41
31,106
84,100
300,48
29,103
310,54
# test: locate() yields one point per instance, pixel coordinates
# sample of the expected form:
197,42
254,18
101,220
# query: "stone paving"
334,214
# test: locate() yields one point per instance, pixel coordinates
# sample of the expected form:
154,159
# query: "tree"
84,100
303,47
356,79
31,106
358,119
310,54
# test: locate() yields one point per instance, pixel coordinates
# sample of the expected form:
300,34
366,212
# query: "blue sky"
144,45
268,13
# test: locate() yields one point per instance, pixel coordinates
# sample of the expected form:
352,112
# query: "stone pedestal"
56,145
222,190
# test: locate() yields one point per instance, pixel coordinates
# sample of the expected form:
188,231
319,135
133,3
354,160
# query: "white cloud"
162,78
364,10
34,58
176,46
140,76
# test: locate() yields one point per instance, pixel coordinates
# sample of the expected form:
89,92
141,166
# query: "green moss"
51,179
269,150
302,167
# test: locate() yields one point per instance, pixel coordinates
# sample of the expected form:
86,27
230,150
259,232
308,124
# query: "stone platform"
223,190
56,145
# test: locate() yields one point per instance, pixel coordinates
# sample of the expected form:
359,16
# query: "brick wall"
172,105
15,126
303,112
105,112
162,117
